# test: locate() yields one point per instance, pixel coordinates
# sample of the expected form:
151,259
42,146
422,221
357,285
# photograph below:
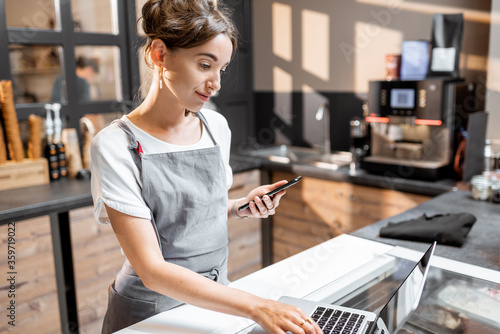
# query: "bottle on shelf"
61,149
360,136
50,147
488,156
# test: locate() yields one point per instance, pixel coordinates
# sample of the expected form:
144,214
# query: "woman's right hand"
279,318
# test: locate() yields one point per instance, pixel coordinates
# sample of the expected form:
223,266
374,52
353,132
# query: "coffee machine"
415,126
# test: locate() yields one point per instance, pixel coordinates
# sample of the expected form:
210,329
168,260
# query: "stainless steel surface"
301,155
402,150
323,113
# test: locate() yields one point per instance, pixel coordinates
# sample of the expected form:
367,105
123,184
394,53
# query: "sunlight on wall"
371,43
283,101
473,62
308,89
493,80
495,18
282,81
428,8
316,43
282,31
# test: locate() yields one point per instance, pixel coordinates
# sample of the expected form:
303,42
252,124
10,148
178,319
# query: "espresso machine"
415,126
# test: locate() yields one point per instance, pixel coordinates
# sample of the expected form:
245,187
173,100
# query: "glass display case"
451,303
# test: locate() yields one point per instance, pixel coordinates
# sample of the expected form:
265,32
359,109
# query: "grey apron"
187,194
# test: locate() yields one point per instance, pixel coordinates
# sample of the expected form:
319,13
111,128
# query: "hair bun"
151,15
185,23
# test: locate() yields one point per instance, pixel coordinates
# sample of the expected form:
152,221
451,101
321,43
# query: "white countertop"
343,260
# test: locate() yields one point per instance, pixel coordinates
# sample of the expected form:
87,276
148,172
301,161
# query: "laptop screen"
405,299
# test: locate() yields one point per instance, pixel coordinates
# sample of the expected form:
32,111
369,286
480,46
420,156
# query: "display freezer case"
452,302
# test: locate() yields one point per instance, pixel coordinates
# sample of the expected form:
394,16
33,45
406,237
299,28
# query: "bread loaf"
14,141
3,147
35,141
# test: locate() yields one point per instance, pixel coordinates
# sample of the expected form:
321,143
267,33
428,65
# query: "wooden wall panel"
245,253
97,258
37,309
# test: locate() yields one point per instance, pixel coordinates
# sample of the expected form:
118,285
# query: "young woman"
160,176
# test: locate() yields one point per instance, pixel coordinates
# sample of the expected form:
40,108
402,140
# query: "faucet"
323,113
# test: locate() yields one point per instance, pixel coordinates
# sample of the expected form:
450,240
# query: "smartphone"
275,191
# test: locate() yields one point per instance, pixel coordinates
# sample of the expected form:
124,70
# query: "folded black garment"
446,229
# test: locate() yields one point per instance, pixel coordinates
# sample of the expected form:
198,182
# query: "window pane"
35,68
138,13
98,72
98,16
31,14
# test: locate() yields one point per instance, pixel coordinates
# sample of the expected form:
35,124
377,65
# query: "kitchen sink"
330,160
283,153
301,155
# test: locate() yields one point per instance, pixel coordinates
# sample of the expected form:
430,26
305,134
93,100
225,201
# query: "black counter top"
67,194
241,164
30,202
482,245
344,174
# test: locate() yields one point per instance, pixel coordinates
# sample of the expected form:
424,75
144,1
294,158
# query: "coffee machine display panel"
402,98
421,99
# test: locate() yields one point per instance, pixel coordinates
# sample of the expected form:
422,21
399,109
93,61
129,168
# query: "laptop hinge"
371,326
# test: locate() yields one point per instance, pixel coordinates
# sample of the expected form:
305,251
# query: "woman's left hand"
262,208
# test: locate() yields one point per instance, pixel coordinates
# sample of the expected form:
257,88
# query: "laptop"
334,319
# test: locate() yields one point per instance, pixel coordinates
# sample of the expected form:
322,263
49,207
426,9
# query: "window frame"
72,110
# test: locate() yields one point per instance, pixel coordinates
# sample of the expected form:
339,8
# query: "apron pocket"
124,311
218,275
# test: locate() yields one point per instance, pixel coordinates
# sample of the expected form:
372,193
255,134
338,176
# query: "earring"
160,75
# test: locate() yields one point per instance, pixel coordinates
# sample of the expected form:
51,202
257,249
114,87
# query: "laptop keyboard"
333,321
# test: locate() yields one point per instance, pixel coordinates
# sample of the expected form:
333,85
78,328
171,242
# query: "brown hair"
185,23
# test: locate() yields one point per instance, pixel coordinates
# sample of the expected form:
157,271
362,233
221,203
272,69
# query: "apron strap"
136,151
205,123
134,146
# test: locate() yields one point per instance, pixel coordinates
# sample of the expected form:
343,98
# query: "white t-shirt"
116,180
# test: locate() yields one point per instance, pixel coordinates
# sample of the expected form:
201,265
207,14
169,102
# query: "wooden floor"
97,258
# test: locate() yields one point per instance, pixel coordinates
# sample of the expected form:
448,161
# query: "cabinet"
245,254
316,210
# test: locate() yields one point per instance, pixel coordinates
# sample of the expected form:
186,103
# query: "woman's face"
193,74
